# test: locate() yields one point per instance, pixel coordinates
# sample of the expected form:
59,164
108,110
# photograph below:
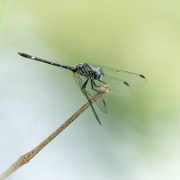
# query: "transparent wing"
132,79
117,86
80,80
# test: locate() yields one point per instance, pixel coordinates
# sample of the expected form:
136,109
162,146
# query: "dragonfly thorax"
83,70
86,70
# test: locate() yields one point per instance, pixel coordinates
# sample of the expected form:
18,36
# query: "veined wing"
117,86
80,80
132,79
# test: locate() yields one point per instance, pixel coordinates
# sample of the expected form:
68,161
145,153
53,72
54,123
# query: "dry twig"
28,156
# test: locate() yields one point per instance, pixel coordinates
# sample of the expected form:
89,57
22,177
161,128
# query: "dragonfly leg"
89,100
95,114
93,85
84,85
102,82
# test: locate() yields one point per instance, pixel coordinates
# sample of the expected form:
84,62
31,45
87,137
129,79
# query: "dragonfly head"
98,73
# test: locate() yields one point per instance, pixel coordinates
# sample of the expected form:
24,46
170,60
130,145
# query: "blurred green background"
140,136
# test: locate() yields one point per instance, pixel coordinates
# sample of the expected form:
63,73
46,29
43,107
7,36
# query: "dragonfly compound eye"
98,73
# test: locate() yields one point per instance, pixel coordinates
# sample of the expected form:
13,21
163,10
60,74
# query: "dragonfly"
90,77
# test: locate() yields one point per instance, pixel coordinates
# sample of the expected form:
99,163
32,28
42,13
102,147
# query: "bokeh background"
140,136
